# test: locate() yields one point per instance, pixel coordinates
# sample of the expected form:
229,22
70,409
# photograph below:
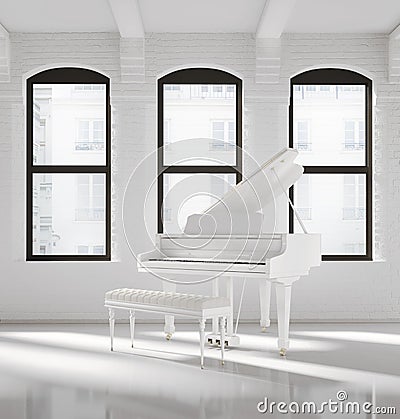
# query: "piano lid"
239,210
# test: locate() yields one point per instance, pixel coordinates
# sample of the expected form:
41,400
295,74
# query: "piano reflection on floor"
226,242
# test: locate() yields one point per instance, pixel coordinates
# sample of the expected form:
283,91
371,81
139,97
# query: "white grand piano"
226,242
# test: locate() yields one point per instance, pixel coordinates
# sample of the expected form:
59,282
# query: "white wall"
347,290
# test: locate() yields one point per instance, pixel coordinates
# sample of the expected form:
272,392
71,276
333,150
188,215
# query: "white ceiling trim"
4,55
128,18
395,34
394,56
274,17
3,31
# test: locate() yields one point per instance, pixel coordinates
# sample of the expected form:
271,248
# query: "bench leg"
111,319
132,324
202,341
222,322
169,326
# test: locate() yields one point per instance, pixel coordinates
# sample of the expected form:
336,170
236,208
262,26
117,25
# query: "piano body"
226,242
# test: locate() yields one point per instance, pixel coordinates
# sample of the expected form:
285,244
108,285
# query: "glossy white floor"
67,371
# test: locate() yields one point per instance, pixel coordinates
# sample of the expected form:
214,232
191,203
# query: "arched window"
330,123
68,165
199,142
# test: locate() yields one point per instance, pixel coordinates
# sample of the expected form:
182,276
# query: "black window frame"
336,76
195,76
67,75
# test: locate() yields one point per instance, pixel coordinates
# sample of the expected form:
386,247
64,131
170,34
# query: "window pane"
68,214
333,205
199,117
186,194
68,124
83,250
335,117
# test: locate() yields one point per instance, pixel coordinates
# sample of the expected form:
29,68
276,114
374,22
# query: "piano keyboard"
239,262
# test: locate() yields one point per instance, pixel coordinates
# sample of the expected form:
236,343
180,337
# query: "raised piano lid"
239,211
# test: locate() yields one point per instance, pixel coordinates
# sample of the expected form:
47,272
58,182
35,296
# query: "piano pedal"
218,342
215,339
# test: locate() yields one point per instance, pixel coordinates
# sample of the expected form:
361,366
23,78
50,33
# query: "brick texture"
335,291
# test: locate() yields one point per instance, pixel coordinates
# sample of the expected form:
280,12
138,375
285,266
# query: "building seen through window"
68,171
330,125
199,131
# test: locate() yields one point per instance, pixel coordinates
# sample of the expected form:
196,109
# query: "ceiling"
201,15
318,16
57,16
344,16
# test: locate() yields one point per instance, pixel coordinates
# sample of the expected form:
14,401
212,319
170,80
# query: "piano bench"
197,307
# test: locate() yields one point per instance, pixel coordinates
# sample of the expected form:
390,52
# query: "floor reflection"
67,371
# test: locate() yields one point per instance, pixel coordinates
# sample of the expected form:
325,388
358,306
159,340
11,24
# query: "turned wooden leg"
222,322
202,323
111,320
132,324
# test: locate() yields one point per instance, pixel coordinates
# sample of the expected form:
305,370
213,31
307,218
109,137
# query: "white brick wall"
339,291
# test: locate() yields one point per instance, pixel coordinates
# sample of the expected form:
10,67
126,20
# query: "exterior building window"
223,135
353,197
303,204
90,135
355,248
90,249
90,198
302,140
167,133
68,165
204,147
88,87
337,104
354,135
172,87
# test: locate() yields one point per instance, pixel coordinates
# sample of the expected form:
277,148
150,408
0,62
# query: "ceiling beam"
395,34
4,55
274,17
394,56
3,31
128,18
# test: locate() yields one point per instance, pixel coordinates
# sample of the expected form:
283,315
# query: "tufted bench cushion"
199,307
166,299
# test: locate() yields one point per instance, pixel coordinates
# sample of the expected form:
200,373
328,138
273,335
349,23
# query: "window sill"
373,261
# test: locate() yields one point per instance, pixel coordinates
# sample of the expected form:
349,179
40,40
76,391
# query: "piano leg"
283,296
229,294
169,326
265,303
215,293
